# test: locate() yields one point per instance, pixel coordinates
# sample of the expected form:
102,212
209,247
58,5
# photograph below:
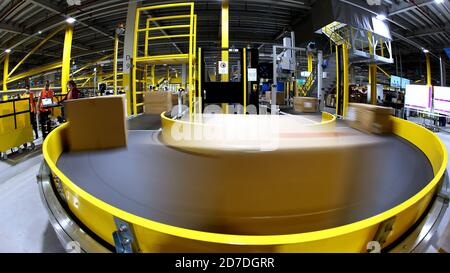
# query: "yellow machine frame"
146,59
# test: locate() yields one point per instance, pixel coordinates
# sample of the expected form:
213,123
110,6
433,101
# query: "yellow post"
337,80
429,82
5,74
116,52
373,83
65,71
245,81
134,63
153,77
225,42
199,79
191,62
346,79
168,74
146,38
145,78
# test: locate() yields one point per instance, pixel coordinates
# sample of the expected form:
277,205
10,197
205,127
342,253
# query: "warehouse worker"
73,93
29,95
44,113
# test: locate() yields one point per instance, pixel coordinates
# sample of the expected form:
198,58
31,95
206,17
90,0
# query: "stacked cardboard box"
370,118
280,97
157,102
305,104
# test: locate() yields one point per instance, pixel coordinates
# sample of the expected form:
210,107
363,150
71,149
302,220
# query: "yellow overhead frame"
65,71
163,59
36,71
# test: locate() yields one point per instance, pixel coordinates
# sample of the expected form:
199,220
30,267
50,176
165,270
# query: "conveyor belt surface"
145,122
251,193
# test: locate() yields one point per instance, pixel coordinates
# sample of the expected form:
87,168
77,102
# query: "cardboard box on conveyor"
305,104
369,118
157,102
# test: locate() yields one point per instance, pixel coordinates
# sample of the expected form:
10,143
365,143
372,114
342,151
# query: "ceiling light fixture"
381,17
71,20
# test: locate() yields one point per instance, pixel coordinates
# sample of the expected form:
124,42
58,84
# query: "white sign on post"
223,68
252,75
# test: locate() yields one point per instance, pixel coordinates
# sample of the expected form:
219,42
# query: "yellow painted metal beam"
145,78
165,6
373,83
148,28
346,92
35,71
191,61
67,51
153,76
337,80
116,52
245,80
429,81
51,35
134,60
5,72
384,72
199,79
225,42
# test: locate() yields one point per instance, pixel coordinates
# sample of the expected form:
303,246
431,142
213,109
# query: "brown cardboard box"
305,104
370,118
280,97
96,123
157,102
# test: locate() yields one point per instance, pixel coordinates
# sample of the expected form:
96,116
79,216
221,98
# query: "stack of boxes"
369,118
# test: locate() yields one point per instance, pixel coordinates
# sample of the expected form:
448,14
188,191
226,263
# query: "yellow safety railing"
186,21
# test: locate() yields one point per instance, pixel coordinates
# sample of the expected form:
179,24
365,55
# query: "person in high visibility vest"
44,113
29,95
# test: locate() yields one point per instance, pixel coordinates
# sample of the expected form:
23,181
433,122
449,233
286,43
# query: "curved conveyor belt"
313,200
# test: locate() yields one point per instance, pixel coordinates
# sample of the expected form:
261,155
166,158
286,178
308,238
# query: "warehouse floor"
25,226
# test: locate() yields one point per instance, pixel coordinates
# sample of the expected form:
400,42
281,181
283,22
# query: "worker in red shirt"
44,113
29,95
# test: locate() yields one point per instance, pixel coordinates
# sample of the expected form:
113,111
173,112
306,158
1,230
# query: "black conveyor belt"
153,181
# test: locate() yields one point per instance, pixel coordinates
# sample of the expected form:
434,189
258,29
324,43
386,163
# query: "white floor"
24,225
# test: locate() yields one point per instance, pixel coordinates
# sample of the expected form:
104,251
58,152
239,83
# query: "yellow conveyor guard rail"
157,237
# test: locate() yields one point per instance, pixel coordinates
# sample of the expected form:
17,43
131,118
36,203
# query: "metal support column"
443,72
128,52
373,83
319,75
65,71
225,42
429,82
184,76
273,110
345,67
116,52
